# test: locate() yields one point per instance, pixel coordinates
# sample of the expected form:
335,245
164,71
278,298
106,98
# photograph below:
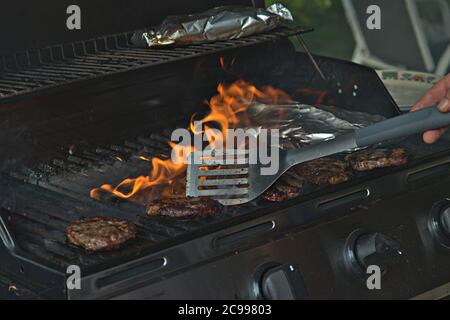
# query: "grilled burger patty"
325,171
179,207
289,186
100,233
377,158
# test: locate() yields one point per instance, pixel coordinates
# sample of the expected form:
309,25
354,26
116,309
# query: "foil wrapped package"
221,23
300,125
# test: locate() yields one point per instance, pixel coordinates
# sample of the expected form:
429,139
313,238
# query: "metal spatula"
214,174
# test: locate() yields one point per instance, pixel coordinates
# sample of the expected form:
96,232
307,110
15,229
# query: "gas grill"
80,110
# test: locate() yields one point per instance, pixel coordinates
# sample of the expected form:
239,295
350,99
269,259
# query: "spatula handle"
402,126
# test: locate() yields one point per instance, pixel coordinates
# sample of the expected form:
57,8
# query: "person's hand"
438,95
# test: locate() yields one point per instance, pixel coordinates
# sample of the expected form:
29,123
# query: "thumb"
444,105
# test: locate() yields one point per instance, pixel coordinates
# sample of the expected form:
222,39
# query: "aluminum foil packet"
221,23
301,125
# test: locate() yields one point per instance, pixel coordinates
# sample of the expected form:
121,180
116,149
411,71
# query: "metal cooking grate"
54,66
37,220
75,170
44,200
37,214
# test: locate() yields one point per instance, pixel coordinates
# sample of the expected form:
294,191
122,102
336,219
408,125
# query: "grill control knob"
279,282
372,249
444,221
440,222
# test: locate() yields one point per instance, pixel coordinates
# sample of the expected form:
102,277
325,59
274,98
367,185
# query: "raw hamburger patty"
289,186
100,233
325,171
377,158
179,207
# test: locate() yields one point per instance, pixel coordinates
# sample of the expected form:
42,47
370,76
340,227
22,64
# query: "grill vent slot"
429,173
344,200
243,235
132,272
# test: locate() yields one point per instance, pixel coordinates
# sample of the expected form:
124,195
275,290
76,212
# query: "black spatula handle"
402,126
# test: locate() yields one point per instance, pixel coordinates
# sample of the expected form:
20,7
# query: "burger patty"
100,233
377,158
289,186
179,207
325,171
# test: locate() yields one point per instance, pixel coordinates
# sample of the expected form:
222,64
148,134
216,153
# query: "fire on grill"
163,190
227,110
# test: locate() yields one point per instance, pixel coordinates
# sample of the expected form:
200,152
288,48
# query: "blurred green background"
332,35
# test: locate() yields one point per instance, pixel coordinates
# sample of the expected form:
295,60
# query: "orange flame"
319,96
227,111
226,65
163,171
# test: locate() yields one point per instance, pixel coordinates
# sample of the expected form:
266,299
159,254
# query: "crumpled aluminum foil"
221,23
302,125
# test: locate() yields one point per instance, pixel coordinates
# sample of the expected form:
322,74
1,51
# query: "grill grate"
45,199
79,170
64,64
33,213
40,204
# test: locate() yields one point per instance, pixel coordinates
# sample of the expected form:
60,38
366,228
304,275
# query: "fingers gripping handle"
402,126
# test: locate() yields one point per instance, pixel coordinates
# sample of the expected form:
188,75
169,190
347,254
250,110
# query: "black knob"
280,282
440,222
372,249
444,221
377,249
